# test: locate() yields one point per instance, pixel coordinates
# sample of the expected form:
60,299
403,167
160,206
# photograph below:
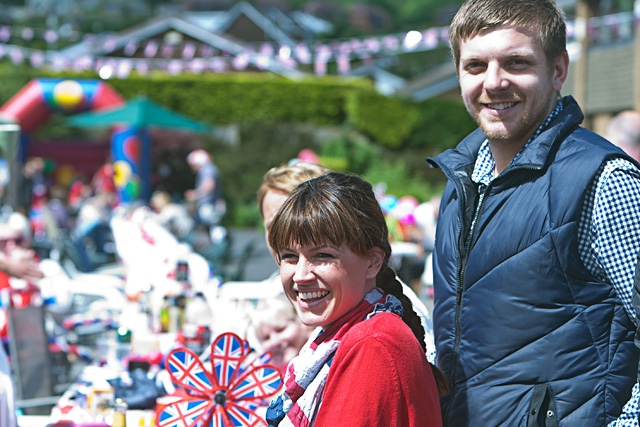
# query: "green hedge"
221,99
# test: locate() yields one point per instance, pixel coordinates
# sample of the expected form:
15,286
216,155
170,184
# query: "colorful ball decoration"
68,95
122,173
132,188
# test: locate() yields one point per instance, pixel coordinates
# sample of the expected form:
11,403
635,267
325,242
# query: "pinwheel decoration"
227,395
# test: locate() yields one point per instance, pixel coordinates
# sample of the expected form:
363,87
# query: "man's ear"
560,71
376,258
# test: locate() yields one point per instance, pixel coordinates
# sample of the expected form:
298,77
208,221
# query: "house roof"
438,81
385,82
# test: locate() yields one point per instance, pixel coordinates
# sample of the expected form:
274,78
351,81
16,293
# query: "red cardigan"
380,377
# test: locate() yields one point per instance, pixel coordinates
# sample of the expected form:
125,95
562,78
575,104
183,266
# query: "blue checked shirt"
608,233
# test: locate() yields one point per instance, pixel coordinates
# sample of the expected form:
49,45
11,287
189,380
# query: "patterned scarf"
307,373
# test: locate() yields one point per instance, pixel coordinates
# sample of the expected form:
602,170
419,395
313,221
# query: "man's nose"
495,78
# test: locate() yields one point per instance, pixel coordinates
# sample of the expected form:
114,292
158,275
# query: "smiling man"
537,237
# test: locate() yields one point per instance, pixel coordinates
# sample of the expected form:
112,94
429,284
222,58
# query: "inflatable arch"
36,102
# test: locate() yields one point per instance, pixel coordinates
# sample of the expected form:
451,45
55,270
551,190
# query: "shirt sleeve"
615,228
615,240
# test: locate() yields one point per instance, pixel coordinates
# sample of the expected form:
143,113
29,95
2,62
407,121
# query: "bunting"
306,56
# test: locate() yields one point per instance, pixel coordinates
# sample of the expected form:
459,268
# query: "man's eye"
519,62
474,67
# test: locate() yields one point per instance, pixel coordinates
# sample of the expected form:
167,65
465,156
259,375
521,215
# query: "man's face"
272,202
507,84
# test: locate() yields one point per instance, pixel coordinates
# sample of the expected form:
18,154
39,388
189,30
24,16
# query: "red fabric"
380,377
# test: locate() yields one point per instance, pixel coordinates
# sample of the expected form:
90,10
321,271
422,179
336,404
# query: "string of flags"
305,56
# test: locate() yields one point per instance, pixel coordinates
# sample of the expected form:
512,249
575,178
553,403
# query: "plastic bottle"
120,413
165,319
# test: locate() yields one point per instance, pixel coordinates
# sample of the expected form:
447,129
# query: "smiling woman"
330,240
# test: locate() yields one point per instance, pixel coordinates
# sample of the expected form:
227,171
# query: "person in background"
365,362
7,393
537,237
173,216
623,130
207,194
103,184
17,259
277,184
275,328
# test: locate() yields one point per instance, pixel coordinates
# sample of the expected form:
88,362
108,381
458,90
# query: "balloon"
388,202
307,155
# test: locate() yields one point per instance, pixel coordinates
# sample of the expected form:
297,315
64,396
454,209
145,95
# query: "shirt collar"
483,171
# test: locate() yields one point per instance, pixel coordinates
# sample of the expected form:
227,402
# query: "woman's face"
325,282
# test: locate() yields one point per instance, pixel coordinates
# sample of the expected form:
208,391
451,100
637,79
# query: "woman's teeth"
305,296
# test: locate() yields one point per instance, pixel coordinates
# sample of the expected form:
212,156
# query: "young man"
537,237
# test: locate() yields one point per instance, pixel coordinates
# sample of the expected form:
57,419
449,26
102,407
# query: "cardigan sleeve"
380,377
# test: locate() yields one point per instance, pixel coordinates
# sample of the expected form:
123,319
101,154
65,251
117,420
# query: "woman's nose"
303,271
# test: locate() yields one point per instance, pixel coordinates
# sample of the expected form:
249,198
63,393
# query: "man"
537,237
207,194
624,131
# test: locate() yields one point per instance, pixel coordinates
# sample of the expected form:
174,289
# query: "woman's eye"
324,255
287,257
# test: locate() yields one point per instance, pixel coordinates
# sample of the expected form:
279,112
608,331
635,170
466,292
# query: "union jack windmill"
226,395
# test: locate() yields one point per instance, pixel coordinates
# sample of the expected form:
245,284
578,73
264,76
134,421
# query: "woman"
365,363
277,184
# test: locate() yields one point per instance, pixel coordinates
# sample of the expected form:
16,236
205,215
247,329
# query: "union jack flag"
241,416
262,359
184,413
260,382
228,352
185,368
221,397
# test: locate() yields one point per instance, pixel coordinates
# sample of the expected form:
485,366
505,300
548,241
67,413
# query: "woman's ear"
376,258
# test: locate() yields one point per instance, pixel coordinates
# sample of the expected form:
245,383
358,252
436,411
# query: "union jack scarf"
306,374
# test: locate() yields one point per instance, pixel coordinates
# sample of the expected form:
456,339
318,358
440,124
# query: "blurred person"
275,328
16,239
427,217
624,131
331,242
91,234
537,237
7,392
171,215
207,194
17,259
33,185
